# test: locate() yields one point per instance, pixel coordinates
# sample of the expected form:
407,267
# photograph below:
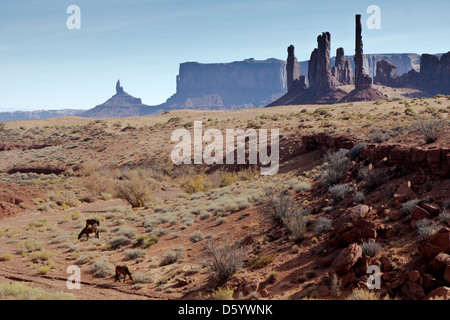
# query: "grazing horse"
122,270
87,230
91,222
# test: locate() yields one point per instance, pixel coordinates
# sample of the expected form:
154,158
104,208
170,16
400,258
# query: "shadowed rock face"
434,75
386,73
362,79
342,70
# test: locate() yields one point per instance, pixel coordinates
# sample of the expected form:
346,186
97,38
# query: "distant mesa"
121,104
324,81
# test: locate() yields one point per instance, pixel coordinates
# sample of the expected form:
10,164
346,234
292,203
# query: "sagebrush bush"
363,294
335,167
430,128
354,152
102,268
323,225
372,178
370,248
338,192
224,259
426,228
136,191
131,254
196,236
359,197
172,256
119,241
222,294
408,206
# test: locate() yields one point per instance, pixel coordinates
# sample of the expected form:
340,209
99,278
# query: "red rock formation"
362,79
342,69
386,73
292,69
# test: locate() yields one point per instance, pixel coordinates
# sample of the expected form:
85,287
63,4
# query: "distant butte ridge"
121,104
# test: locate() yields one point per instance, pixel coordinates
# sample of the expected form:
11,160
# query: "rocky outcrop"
436,159
362,79
434,75
120,105
342,70
386,73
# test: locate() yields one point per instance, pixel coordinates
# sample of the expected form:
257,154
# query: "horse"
91,222
122,270
87,230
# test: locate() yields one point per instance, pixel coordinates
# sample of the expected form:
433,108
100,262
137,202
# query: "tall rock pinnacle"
119,89
319,66
292,69
362,79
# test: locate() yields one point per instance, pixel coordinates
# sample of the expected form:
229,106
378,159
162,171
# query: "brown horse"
91,222
122,270
87,230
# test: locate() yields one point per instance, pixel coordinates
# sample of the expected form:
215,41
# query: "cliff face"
236,85
38,114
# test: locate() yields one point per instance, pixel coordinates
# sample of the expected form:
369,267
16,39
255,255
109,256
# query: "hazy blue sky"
44,65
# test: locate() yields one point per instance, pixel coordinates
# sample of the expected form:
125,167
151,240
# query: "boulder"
405,193
439,265
419,213
441,292
347,258
435,244
412,291
432,208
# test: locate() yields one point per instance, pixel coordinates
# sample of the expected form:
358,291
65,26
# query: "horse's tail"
128,273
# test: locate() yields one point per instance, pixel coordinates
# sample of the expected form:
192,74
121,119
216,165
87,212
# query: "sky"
46,65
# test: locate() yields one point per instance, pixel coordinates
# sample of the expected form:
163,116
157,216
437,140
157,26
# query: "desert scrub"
281,205
196,184
172,256
125,231
224,259
225,293
102,268
26,291
334,168
323,225
136,191
426,228
196,236
338,192
362,294
30,245
355,151
370,248
119,241
430,128
372,178
359,197
408,206
6,257
261,261
145,241
444,216
131,254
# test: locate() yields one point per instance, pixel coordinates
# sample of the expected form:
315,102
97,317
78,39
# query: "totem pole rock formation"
319,66
342,69
295,82
362,79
